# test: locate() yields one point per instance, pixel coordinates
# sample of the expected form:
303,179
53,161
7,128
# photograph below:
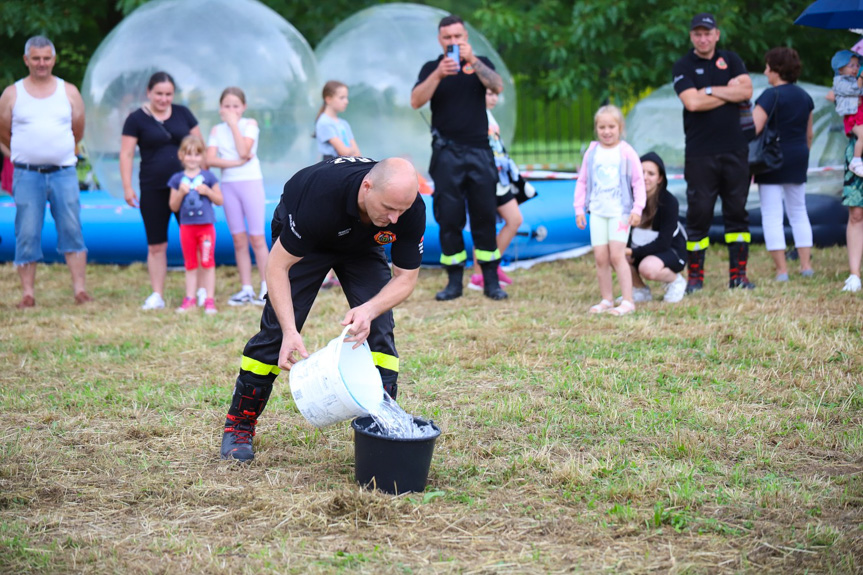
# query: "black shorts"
672,260
506,197
156,212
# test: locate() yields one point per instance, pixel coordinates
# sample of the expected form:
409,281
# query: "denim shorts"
31,190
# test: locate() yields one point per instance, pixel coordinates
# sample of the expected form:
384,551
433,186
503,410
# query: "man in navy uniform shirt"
712,83
338,215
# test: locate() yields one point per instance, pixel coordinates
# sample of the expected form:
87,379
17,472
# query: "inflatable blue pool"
114,233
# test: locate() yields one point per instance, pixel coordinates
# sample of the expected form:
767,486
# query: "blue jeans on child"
31,190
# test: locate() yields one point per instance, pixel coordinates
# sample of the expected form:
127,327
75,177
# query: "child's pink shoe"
210,306
503,278
188,303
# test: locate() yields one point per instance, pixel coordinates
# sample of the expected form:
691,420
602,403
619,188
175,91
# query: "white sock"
263,288
248,288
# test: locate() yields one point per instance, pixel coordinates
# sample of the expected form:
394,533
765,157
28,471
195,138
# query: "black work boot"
392,388
453,287
738,254
247,404
696,271
491,284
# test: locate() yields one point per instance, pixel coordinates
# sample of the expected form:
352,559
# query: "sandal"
602,307
624,308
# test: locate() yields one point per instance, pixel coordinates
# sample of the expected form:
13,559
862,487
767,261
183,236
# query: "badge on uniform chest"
385,237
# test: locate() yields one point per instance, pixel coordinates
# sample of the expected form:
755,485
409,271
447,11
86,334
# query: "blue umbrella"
833,15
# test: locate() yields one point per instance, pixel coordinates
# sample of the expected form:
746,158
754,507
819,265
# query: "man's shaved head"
388,190
395,173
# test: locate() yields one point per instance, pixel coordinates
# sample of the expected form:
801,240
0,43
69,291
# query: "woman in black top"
657,247
156,128
793,109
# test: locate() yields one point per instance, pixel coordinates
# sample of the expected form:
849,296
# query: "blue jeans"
31,190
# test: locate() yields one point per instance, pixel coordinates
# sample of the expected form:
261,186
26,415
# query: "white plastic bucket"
336,383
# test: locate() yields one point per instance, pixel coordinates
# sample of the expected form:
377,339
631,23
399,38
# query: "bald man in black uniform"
338,215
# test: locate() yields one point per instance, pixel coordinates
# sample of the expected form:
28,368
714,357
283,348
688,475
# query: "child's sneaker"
242,297
153,301
502,277
856,166
201,294
852,284
210,306
188,303
476,283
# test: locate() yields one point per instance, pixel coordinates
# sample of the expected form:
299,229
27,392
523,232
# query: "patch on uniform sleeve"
385,237
721,63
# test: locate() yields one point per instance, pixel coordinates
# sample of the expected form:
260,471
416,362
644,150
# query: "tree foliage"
619,48
556,49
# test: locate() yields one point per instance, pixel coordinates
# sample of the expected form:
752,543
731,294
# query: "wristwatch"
708,90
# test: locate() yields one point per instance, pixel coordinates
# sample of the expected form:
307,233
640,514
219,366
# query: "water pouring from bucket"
393,448
337,383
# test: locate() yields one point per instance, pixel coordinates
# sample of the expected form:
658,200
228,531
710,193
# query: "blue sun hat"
841,59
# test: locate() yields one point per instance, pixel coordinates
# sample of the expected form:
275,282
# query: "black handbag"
765,151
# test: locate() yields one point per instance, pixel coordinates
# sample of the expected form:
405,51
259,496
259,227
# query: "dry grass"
722,434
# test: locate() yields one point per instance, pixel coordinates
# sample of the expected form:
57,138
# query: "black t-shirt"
714,131
665,223
795,106
159,142
458,105
318,212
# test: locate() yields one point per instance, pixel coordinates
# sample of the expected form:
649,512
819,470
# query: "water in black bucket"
392,464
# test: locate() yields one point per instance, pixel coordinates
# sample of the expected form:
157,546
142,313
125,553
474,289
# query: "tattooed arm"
489,78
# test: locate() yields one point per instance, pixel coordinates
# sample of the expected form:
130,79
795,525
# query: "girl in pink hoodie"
610,187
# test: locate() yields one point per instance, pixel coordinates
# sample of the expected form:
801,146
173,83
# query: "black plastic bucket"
391,464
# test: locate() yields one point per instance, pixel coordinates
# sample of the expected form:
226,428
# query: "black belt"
41,168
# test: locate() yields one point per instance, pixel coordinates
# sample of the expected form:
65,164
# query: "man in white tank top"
41,121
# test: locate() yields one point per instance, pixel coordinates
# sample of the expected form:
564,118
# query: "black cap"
703,20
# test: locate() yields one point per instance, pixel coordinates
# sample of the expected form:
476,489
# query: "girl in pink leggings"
233,147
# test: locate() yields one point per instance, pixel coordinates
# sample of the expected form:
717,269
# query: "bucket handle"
342,337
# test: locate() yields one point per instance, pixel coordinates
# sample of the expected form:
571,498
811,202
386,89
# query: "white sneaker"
852,283
201,294
639,295
856,166
674,290
153,301
642,294
242,297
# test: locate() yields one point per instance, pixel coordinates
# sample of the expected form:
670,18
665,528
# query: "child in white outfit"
610,186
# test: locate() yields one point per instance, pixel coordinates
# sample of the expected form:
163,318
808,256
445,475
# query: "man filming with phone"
462,163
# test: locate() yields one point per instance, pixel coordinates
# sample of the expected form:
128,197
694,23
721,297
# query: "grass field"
723,434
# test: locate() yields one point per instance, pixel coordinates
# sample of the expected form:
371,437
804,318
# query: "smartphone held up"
452,52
